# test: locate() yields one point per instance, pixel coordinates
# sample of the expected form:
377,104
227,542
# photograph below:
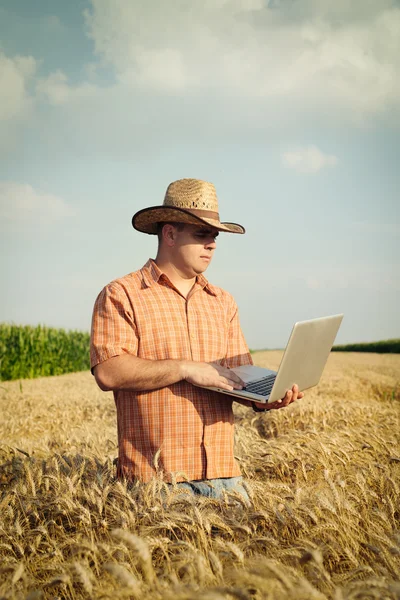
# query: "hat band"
205,214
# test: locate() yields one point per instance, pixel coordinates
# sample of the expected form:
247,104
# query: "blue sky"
291,108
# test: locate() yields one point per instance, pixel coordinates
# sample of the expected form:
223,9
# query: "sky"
291,108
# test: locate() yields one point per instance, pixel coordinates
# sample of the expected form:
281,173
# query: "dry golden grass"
323,475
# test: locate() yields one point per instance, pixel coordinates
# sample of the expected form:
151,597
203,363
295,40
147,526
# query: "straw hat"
186,201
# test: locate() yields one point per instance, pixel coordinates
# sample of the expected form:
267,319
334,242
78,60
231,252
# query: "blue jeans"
214,488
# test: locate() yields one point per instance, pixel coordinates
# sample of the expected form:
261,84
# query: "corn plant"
27,352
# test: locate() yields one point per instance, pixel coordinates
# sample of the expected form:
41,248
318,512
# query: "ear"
169,235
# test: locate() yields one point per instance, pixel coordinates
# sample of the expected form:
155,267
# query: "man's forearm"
127,372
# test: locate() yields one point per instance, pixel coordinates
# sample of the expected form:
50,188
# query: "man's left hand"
290,396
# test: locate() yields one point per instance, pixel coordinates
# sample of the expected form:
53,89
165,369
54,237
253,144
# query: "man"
158,331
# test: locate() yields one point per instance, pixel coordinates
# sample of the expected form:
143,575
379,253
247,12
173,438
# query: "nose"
211,244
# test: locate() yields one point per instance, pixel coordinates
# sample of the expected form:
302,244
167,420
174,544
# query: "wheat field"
323,476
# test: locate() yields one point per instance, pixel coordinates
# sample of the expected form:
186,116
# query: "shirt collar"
152,274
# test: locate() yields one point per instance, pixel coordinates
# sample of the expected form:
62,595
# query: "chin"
203,267
199,270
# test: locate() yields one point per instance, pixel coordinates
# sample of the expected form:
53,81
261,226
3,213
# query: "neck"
179,278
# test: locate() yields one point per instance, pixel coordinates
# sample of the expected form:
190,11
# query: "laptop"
303,362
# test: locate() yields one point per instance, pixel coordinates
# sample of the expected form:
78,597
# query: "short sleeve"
114,331
237,350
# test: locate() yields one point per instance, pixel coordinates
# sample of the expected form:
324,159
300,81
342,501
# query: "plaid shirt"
179,431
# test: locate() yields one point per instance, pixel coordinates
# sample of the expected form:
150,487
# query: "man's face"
194,248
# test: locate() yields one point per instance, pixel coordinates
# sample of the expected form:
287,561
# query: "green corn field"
27,352
383,347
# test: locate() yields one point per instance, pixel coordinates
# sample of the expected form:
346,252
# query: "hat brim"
147,219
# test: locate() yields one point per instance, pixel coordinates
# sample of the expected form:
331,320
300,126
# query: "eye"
202,235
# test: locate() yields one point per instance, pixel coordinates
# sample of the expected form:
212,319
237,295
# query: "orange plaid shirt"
179,431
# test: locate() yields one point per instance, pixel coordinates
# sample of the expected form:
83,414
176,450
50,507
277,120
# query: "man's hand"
210,374
290,396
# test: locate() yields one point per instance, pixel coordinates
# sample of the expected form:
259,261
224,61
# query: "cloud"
21,205
17,103
216,69
307,160
56,89
15,74
330,55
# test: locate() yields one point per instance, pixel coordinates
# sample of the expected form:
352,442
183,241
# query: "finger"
232,385
223,384
285,401
295,392
237,385
288,398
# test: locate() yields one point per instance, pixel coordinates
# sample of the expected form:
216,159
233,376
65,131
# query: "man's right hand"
210,375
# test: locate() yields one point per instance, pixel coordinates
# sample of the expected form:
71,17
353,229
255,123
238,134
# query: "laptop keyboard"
262,387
